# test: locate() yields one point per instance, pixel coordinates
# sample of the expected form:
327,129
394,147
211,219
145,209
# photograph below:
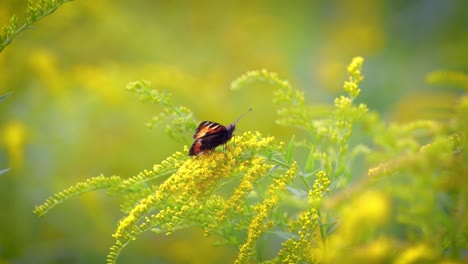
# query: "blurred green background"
70,118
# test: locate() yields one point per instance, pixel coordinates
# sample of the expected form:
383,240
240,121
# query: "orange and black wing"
207,128
208,142
208,136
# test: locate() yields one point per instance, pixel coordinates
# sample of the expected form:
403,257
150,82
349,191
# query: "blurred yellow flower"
14,137
360,218
371,207
104,82
43,65
376,251
416,254
454,78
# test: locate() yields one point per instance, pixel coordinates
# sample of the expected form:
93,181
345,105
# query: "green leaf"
282,234
289,150
310,163
3,97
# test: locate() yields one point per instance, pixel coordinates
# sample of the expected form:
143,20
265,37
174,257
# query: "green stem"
29,22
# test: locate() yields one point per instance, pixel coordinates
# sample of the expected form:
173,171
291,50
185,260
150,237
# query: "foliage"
179,119
408,207
35,11
3,97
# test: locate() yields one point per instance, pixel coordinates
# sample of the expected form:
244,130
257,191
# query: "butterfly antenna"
237,120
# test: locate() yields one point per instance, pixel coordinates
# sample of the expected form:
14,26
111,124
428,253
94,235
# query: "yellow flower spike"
354,70
298,250
193,180
319,188
252,141
259,223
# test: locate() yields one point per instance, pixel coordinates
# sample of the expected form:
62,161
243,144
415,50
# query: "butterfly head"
230,130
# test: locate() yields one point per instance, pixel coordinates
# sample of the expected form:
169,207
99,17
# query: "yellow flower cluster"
321,184
260,223
352,85
298,248
253,170
187,186
189,190
343,102
253,141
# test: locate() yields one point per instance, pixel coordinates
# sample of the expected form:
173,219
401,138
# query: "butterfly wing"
208,136
207,128
208,142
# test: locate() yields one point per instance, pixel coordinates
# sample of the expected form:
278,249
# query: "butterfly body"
209,135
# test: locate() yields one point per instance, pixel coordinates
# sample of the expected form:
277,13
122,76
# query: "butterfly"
209,135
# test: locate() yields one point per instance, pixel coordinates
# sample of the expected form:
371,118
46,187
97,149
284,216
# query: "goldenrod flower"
259,224
190,187
269,194
256,169
320,187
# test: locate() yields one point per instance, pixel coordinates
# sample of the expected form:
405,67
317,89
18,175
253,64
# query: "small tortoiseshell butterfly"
209,135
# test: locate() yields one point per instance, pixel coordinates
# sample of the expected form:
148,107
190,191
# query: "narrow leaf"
289,150
310,163
3,97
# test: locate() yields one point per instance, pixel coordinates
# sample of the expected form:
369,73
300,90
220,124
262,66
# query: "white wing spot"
213,126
